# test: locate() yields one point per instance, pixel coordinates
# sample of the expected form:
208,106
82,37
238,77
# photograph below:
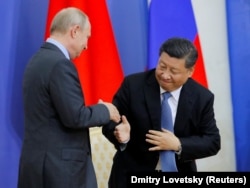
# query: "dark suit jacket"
139,100
56,147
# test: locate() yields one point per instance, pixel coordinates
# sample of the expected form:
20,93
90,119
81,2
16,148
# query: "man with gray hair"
56,148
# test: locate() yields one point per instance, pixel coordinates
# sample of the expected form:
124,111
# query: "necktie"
167,157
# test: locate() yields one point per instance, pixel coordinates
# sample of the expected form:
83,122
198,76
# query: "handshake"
122,130
114,113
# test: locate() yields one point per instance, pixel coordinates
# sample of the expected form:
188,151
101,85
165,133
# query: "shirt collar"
60,46
175,94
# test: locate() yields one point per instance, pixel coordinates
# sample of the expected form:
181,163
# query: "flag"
239,43
173,19
99,67
211,16
130,28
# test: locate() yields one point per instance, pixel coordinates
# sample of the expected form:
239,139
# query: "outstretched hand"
114,113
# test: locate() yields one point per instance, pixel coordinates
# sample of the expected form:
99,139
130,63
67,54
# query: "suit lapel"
185,106
153,102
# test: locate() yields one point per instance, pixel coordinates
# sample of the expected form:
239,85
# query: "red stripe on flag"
199,73
99,67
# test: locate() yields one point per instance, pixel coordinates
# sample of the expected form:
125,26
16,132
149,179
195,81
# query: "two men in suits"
139,138
56,148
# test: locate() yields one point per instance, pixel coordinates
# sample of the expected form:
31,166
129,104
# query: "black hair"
180,48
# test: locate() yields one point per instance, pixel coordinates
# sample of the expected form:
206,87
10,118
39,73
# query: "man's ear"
73,30
191,71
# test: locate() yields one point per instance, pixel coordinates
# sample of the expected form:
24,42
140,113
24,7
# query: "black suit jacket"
139,100
56,147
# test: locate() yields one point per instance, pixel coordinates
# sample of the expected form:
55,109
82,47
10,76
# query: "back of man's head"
68,17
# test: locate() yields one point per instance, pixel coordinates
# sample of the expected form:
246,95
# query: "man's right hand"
122,131
113,112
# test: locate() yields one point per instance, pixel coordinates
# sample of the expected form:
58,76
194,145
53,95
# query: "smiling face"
171,72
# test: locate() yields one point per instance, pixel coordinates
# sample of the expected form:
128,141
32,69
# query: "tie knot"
166,95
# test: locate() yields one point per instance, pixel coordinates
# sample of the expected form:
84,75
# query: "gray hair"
68,17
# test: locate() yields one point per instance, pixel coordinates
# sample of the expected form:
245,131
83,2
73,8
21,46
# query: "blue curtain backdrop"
22,33
238,20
